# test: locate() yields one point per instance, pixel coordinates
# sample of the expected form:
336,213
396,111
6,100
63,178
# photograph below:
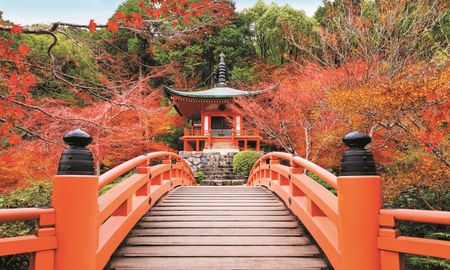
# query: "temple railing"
194,133
351,228
221,133
83,229
246,133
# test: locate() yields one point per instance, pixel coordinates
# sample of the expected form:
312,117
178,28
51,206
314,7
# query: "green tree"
198,59
270,23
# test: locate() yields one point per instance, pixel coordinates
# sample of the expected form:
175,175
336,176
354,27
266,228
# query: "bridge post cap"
357,139
357,160
77,159
77,138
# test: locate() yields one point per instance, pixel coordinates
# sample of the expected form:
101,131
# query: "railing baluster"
313,209
125,208
272,174
43,260
391,260
294,190
144,169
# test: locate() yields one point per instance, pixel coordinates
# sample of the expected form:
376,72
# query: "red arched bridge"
157,218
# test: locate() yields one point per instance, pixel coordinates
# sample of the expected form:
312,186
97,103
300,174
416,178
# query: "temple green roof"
218,92
221,91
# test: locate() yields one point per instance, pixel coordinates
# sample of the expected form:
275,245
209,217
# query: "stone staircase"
219,170
217,167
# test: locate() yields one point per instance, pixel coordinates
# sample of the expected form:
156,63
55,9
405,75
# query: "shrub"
322,182
36,195
244,161
199,177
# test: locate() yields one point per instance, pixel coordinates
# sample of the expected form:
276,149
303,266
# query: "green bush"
323,183
37,195
199,177
244,161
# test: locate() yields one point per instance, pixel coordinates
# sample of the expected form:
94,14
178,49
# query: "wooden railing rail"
392,244
26,214
351,228
197,133
423,216
125,167
42,244
228,133
297,161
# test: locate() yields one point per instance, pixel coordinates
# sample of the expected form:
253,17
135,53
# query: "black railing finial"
357,160
77,159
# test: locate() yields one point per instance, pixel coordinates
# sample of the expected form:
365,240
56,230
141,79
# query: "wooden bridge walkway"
218,228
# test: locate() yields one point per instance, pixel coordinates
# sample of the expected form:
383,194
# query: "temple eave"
217,93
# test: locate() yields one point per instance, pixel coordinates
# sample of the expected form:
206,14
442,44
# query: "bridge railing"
392,244
316,206
83,229
351,228
42,244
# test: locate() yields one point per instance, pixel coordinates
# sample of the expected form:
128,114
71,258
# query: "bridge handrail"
24,214
392,244
325,175
125,167
415,215
42,244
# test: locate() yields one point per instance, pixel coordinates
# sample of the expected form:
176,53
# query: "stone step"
229,182
221,175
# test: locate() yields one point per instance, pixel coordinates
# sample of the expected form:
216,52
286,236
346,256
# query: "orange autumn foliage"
120,106
25,163
408,118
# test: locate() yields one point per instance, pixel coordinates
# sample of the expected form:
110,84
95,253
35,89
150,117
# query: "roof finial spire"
222,71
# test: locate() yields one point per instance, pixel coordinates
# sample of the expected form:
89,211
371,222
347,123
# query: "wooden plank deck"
218,228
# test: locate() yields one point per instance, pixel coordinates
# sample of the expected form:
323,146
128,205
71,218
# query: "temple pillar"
238,125
206,124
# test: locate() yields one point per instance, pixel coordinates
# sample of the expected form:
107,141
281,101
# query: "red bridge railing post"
75,200
360,201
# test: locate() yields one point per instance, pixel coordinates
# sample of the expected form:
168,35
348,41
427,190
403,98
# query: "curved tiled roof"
218,92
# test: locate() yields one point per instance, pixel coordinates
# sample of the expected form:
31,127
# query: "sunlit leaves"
92,26
136,20
13,139
113,26
23,50
16,29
